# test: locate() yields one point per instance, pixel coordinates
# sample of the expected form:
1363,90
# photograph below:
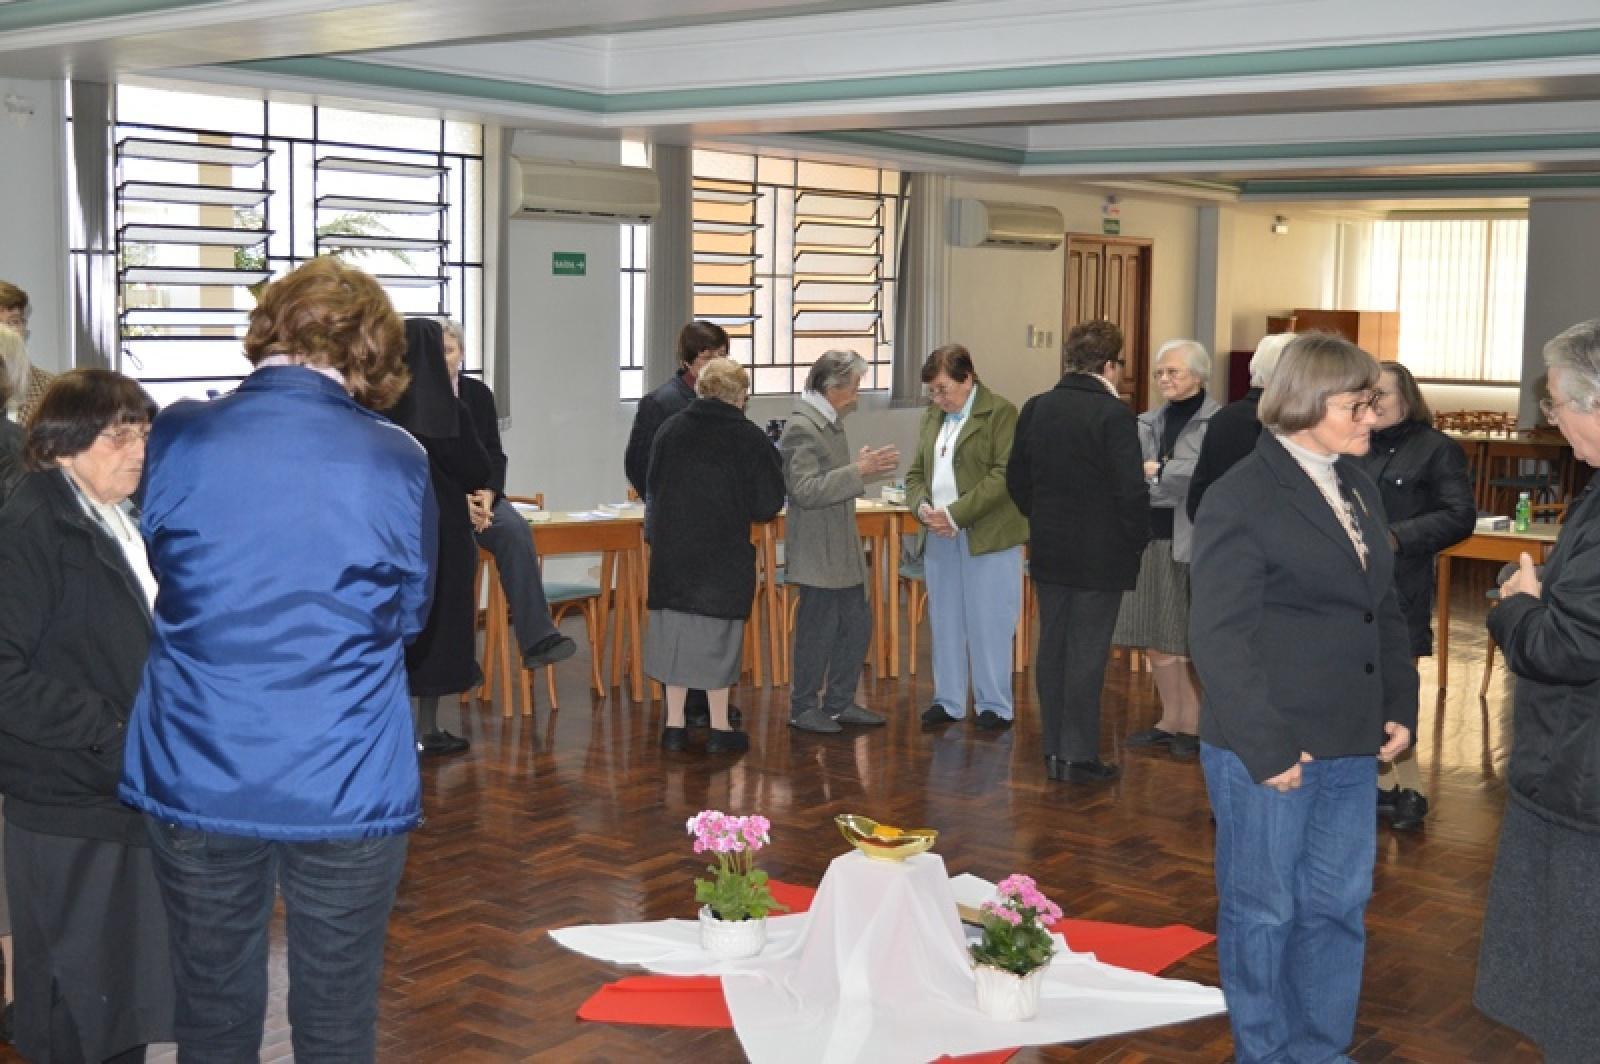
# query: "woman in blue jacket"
292,531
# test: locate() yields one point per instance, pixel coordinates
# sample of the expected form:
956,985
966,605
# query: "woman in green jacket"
973,558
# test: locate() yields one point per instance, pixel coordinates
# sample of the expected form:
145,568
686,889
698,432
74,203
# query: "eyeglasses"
126,435
1361,406
942,390
1170,372
1551,408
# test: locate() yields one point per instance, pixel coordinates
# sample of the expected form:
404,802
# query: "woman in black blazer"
1422,475
1300,643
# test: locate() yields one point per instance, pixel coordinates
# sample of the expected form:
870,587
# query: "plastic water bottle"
1524,513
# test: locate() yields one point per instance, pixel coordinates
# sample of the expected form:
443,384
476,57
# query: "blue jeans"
973,604
219,892
1294,872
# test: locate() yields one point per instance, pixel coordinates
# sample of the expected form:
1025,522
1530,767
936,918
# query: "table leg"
875,576
1442,612
608,568
775,618
893,591
636,601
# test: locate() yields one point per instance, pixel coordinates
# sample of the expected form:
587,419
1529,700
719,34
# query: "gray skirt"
1539,961
88,926
688,650
1155,614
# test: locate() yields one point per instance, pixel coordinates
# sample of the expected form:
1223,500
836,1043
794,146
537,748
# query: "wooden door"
1109,278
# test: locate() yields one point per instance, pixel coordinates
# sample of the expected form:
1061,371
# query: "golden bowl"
882,842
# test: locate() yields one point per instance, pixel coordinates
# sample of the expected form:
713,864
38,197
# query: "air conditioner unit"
1025,226
584,192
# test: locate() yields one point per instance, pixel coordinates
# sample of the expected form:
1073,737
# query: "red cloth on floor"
697,1001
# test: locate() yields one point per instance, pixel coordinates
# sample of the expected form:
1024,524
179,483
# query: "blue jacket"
292,533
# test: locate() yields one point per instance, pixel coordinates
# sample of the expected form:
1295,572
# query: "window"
1459,288
247,189
792,257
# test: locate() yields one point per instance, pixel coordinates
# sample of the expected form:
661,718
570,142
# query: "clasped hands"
1289,779
480,508
937,521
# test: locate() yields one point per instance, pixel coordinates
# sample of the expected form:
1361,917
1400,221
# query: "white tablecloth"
878,970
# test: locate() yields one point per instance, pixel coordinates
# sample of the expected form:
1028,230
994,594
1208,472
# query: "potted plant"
1010,960
735,901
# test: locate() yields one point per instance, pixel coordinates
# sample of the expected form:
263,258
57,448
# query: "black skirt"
87,926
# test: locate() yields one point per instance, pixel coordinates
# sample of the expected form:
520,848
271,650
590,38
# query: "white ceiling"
1259,99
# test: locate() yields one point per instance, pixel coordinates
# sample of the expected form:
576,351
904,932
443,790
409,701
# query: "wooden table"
1483,447
620,543
1507,546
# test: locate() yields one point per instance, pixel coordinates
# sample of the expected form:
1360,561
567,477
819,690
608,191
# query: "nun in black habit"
443,659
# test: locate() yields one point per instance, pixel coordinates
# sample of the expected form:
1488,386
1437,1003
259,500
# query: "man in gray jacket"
822,548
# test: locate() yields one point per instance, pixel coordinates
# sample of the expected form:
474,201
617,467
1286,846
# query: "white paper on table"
878,970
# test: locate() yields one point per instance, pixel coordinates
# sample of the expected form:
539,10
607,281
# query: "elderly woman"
443,660
1422,475
1299,639
28,382
822,548
712,474
1231,433
1155,615
973,554
271,746
93,975
1539,964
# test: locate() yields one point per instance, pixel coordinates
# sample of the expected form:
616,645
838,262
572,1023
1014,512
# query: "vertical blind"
1459,288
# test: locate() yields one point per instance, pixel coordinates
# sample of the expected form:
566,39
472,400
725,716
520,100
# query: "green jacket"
983,506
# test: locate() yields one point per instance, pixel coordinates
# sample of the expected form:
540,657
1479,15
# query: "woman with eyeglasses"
1422,475
972,552
1155,615
1539,963
93,978
1309,682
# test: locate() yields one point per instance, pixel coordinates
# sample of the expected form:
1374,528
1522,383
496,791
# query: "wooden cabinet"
1376,332
1109,278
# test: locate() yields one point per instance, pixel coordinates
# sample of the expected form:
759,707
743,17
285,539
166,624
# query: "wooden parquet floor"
576,816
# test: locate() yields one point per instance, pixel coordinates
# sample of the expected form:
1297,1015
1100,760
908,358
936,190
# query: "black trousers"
1075,626
508,539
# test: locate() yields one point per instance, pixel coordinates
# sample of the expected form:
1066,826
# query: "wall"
1562,234
1274,273
33,182
995,294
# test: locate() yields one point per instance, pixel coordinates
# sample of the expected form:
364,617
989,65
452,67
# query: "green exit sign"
569,263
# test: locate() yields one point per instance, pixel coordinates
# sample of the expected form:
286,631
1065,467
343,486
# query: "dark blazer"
74,631
1427,493
713,473
1077,472
1552,645
652,413
1229,440
12,438
479,401
1298,647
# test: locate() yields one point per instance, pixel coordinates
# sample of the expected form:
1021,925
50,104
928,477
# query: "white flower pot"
1003,996
731,939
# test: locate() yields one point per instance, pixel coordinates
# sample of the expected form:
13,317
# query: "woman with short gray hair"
1300,642
1537,969
822,546
1155,615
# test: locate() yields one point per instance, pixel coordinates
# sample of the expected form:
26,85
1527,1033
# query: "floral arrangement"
738,889
1015,938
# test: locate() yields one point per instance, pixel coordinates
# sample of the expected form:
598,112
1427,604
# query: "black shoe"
1386,799
549,650
1184,747
1149,737
1409,808
937,714
989,720
442,742
1055,768
674,739
727,742
1095,771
